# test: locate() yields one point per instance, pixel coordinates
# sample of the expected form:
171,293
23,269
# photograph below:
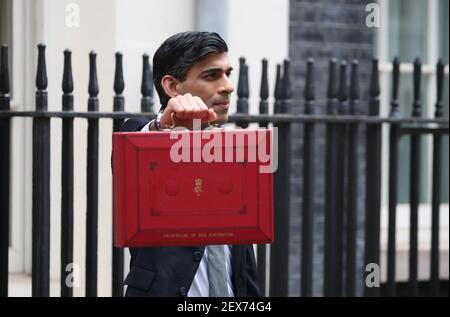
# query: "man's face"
209,80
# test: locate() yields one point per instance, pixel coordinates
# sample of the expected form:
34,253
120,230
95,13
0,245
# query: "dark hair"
179,53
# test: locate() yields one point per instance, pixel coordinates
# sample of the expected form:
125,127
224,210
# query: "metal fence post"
41,186
335,199
92,183
5,130
341,201
394,136
373,180
263,109
279,251
414,184
436,186
67,180
352,186
119,102
308,185
331,179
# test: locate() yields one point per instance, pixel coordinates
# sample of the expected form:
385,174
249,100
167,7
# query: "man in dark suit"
191,74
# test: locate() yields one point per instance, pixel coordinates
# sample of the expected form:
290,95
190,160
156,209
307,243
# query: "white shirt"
200,284
146,127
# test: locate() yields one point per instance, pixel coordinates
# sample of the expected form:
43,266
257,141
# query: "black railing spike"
309,93
41,186
150,76
246,88
417,77
241,78
241,61
343,81
354,81
242,90
5,172
67,82
264,91
439,84
286,88
147,79
242,105
119,84
241,69
41,75
278,84
332,83
263,109
4,72
67,172
93,82
374,90
395,78
395,85
417,73
118,106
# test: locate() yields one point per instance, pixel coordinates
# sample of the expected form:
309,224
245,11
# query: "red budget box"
185,187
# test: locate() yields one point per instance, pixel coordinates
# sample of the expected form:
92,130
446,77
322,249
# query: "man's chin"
222,118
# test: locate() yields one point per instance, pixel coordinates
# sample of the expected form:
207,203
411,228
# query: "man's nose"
227,86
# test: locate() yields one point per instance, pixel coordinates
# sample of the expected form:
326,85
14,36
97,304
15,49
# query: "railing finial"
67,82
395,85
4,73
417,74
93,82
439,82
147,79
146,85
243,91
119,84
332,84
286,88
343,81
264,90
309,92
41,75
374,90
354,81
277,91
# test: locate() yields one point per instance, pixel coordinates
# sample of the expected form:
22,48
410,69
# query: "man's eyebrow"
215,70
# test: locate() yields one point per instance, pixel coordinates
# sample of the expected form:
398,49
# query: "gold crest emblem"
198,186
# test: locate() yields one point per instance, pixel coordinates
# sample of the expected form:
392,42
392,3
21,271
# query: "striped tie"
217,271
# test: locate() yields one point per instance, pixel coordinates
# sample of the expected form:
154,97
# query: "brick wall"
323,29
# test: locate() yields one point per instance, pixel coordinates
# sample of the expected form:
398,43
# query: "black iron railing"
341,186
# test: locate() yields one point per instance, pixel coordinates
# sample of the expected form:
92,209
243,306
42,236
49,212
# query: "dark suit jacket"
169,271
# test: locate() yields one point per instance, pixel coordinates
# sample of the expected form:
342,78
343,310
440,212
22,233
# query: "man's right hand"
186,108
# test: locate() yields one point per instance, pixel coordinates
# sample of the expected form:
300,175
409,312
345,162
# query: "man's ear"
171,85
